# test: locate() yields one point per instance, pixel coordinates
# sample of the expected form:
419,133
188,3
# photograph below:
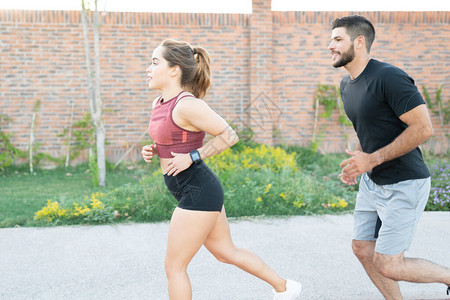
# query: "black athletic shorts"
196,188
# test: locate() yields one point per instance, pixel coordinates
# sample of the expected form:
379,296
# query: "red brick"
278,56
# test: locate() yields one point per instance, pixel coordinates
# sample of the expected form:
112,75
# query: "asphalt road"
127,261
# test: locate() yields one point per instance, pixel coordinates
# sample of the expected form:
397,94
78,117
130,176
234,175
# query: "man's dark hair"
356,26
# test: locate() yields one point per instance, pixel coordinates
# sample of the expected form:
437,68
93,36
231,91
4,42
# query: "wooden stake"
32,142
33,121
70,136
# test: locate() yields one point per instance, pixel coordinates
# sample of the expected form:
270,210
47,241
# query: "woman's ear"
174,71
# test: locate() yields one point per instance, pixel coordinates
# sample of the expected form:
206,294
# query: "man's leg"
400,212
364,238
364,251
398,267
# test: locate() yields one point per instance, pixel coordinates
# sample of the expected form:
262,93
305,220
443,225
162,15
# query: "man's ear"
360,42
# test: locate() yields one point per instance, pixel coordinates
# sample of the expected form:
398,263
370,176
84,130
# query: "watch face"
195,156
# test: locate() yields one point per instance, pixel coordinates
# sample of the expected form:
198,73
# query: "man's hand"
358,164
348,180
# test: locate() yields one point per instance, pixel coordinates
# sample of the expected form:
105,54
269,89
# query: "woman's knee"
172,266
226,256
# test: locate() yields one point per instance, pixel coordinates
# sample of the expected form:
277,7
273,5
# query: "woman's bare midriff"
164,162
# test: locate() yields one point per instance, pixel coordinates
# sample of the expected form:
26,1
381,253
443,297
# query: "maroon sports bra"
168,136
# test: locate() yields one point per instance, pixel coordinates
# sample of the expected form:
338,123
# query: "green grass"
22,193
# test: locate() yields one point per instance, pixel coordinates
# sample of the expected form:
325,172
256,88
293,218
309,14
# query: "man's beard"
346,57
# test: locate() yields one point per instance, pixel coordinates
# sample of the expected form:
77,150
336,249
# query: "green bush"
440,187
8,152
286,193
257,180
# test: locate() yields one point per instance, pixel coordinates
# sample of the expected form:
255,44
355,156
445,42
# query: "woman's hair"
194,64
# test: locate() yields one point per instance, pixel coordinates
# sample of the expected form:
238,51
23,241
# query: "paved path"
126,261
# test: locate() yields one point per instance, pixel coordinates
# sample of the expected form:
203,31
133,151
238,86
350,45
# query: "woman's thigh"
219,241
188,230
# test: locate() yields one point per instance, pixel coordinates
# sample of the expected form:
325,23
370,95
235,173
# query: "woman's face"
159,72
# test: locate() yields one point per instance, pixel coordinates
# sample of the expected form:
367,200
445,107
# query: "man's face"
341,48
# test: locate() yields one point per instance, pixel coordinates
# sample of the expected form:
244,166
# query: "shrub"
286,193
50,212
257,180
8,152
97,212
266,180
440,187
254,159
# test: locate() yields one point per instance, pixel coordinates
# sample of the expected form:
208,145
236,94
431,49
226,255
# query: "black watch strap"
195,156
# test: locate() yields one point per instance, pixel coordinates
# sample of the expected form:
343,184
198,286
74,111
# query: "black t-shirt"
373,102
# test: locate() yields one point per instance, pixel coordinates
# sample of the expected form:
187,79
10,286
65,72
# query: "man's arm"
418,131
358,146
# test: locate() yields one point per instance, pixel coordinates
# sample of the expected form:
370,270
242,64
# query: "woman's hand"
148,151
178,163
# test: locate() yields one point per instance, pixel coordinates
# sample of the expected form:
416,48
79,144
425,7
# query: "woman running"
177,126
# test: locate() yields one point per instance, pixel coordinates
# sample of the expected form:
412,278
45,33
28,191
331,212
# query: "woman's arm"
196,115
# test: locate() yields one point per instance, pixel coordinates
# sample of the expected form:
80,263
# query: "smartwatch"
195,156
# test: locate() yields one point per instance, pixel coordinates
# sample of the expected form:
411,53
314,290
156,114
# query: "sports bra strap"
184,96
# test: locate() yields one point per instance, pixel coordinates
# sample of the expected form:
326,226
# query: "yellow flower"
50,211
299,203
79,211
262,156
343,203
282,195
97,204
268,187
258,199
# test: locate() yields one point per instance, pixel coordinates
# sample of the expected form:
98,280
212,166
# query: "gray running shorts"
398,206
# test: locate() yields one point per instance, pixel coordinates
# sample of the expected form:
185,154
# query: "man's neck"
357,66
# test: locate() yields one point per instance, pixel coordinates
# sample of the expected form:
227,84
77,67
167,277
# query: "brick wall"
266,67
414,41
